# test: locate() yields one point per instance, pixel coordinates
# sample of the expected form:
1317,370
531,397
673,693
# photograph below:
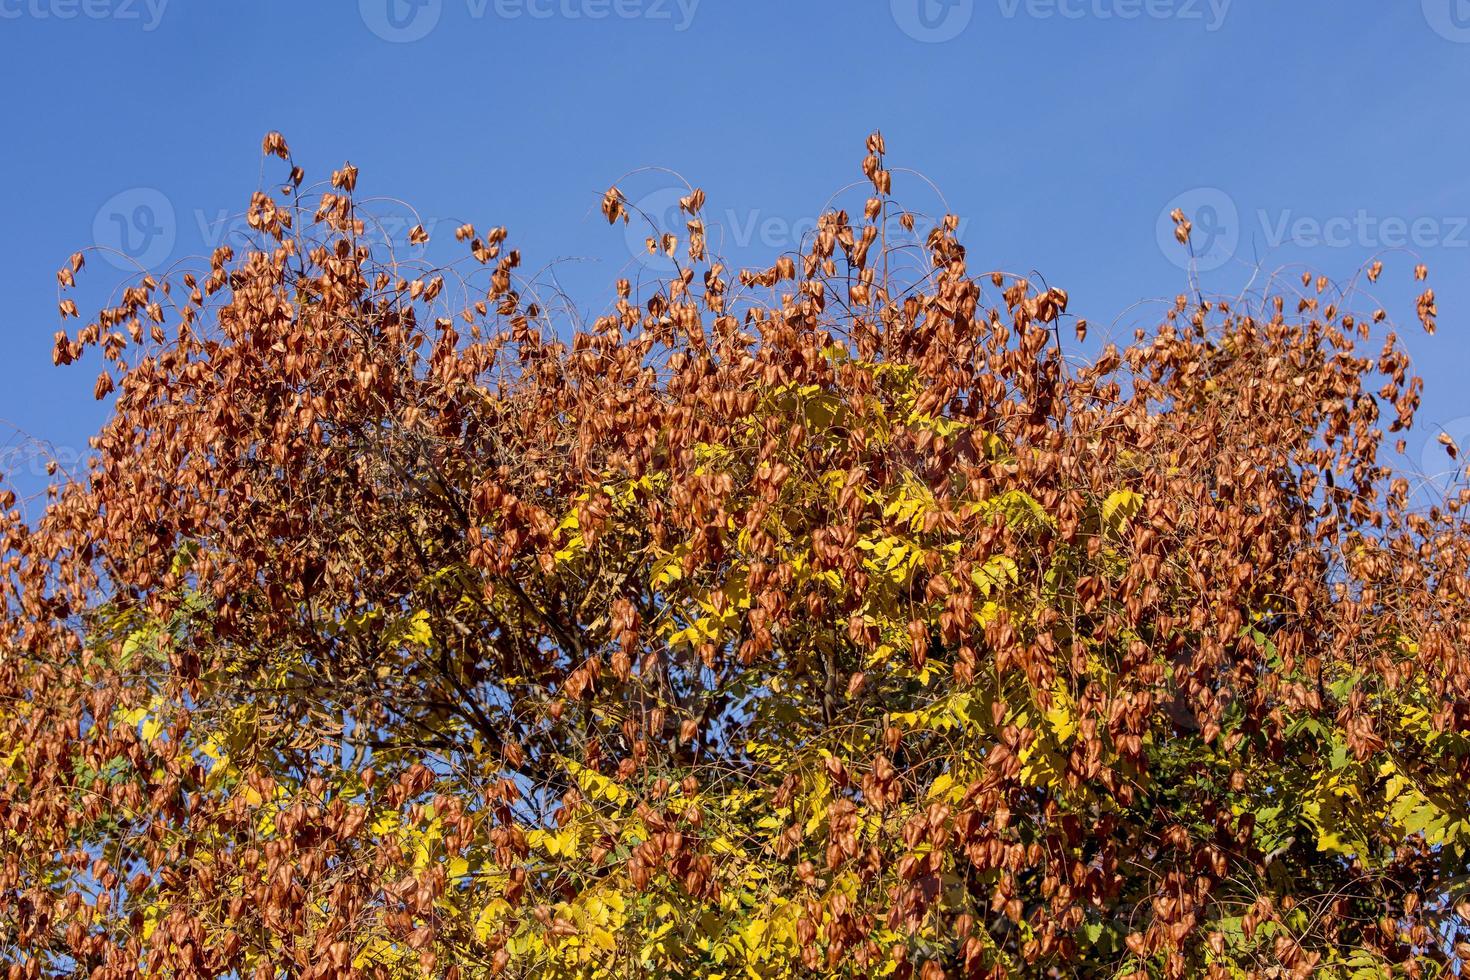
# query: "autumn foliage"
836,618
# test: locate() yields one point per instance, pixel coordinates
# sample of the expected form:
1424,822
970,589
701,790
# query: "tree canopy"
836,618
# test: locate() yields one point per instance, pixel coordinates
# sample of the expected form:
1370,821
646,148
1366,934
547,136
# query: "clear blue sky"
1311,131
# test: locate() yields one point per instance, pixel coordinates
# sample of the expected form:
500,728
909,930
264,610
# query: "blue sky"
1307,132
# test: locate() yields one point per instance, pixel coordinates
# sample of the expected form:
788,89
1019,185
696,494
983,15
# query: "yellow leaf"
418,629
995,573
1121,505
1060,715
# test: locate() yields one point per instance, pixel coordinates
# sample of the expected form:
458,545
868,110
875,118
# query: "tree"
827,619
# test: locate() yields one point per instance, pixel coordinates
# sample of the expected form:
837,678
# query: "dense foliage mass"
835,619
